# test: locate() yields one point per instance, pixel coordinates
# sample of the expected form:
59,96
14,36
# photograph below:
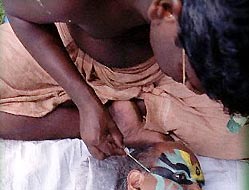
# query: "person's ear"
165,9
134,180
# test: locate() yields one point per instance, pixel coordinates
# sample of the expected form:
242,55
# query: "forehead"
174,159
177,153
170,147
151,155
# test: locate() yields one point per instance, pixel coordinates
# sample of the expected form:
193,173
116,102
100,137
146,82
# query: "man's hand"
100,133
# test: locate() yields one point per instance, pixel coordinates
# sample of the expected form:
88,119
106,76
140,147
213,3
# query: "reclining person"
104,51
169,165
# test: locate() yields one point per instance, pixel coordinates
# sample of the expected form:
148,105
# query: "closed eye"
180,177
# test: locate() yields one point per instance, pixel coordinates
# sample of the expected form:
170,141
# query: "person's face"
173,167
163,38
160,183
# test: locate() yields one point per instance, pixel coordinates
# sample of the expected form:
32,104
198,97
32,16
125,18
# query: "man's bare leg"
63,122
129,119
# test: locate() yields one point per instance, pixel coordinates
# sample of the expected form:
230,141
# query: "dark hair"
215,35
141,154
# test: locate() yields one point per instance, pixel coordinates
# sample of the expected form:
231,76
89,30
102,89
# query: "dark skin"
64,123
115,33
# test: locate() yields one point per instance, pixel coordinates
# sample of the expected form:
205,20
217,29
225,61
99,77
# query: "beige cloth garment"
26,89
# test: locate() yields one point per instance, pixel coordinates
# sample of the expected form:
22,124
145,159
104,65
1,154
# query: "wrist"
82,94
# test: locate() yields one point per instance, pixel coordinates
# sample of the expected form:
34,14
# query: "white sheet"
64,165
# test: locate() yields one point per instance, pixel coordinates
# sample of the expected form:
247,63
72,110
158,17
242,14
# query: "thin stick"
139,163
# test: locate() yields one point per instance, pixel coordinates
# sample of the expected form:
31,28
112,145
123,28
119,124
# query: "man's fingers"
116,140
105,148
109,147
96,153
116,136
119,151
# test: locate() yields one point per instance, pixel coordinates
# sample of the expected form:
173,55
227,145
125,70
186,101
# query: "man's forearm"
45,45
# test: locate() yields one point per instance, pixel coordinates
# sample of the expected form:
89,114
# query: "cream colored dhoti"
26,89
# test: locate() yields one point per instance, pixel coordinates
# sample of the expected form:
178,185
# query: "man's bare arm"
43,42
44,11
45,45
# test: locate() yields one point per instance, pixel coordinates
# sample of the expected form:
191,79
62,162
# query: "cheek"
193,79
171,185
160,183
167,54
150,183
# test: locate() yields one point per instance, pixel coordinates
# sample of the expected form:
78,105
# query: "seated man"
95,56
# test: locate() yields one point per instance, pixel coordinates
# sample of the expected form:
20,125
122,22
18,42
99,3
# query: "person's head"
215,36
172,166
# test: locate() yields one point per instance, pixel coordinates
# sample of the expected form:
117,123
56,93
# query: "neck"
141,6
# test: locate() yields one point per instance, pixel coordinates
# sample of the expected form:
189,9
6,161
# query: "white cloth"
65,165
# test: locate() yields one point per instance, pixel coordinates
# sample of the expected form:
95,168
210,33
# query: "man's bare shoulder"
44,11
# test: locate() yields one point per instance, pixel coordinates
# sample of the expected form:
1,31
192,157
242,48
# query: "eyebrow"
168,174
167,169
177,166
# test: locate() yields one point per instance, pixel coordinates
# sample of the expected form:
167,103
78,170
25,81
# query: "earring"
183,66
167,5
161,9
167,9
